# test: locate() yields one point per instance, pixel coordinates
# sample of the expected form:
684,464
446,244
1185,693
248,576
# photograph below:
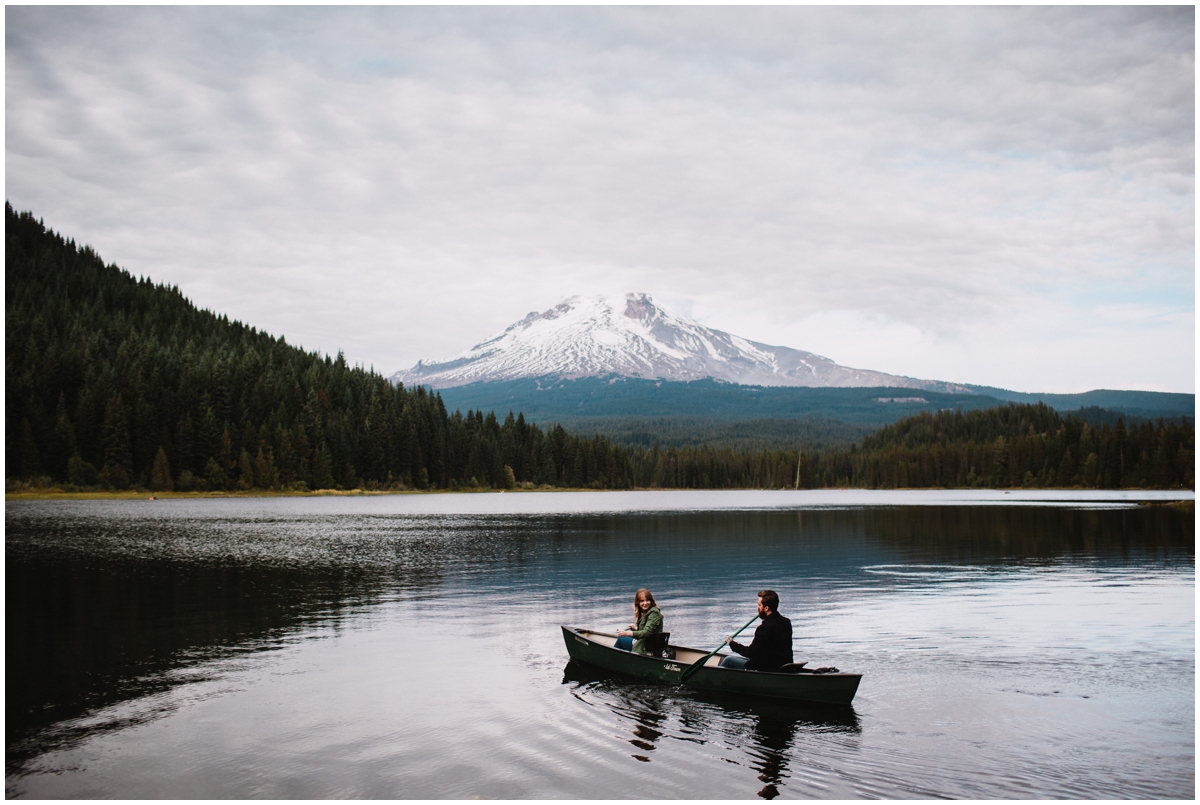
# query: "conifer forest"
114,382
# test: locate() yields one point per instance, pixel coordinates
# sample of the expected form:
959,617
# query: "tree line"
1016,445
116,382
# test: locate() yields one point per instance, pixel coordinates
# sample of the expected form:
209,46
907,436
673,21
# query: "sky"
1001,196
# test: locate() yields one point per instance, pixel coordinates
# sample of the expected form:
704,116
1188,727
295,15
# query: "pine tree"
322,469
118,457
303,457
245,472
63,446
576,468
286,457
1066,469
31,464
547,472
80,472
1091,470
160,474
215,477
266,476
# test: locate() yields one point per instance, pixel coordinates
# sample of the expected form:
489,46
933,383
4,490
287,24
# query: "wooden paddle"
694,667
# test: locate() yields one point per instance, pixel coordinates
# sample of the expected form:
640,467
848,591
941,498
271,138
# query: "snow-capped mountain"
631,336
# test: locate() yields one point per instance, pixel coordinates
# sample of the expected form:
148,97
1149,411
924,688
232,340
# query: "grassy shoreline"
145,494
58,494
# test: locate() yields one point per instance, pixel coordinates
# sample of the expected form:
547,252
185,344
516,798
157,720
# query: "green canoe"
596,649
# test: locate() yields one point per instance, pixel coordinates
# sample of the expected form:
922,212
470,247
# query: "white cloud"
933,192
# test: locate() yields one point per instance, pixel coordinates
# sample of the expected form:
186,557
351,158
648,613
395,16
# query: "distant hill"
574,401
1143,404
639,412
554,399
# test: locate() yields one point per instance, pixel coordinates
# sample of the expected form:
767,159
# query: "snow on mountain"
632,336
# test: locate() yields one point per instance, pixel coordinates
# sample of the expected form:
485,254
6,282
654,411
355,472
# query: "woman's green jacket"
647,624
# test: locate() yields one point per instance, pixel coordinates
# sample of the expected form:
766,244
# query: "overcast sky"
1002,196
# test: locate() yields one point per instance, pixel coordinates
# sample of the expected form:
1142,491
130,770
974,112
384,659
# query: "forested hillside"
755,435
581,399
586,402
1018,445
117,382
114,382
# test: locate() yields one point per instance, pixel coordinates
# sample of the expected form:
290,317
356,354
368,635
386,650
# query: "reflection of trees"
91,623
842,541
765,729
1003,533
116,604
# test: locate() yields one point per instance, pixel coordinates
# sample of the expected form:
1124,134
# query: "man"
772,645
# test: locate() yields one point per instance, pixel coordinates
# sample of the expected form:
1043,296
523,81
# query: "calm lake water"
1011,646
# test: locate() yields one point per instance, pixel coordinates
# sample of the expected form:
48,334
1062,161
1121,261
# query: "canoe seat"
792,668
656,643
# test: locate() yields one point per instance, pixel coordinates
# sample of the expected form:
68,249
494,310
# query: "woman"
648,619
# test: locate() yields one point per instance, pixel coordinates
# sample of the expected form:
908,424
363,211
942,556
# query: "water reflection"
96,617
113,607
762,731
998,534
774,739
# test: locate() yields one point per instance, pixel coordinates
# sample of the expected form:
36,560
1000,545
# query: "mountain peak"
633,336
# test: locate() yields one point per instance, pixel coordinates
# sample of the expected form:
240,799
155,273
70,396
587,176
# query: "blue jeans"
736,663
625,643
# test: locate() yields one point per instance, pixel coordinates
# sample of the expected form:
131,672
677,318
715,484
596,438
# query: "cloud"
403,182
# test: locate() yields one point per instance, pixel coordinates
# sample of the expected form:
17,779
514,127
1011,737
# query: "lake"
1012,645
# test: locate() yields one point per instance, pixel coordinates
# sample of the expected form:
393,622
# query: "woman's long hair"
641,595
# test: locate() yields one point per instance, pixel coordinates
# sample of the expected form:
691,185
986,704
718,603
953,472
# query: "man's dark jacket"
772,644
